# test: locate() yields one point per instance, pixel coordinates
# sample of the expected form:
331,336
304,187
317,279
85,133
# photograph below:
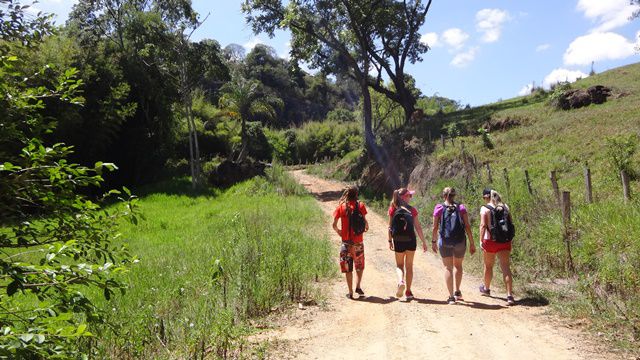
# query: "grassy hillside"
604,239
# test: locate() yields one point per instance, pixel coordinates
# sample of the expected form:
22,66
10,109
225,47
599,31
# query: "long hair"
496,199
396,200
350,193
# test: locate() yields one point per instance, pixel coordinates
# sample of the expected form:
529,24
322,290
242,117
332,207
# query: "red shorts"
493,247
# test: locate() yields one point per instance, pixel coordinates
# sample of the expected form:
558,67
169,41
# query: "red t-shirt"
414,211
341,212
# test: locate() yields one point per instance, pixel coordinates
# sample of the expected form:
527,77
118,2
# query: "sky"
481,51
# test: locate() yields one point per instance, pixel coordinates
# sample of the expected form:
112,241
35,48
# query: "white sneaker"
400,290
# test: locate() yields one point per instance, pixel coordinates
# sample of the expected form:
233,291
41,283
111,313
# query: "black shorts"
402,246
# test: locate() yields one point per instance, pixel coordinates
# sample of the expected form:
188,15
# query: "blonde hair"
496,199
396,200
446,192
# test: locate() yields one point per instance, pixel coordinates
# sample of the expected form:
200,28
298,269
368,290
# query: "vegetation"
211,265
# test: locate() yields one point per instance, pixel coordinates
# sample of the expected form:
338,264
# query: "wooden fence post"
587,183
505,173
452,142
528,180
489,176
566,220
554,184
626,190
442,138
462,146
429,136
475,164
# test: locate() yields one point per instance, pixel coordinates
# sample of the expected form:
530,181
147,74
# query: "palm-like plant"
243,98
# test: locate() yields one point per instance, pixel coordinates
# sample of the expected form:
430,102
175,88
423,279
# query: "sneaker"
484,291
409,295
510,300
458,295
349,296
451,300
400,290
359,292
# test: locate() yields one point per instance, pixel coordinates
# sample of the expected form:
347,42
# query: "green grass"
209,263
605,236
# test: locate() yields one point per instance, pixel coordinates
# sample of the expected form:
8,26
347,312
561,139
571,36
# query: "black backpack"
451,226
402,229
356,219
501,227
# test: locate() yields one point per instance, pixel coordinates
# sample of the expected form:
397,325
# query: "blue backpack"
451,226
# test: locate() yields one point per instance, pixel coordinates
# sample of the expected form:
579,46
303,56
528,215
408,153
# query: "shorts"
351,255
493,247
456,251
402,246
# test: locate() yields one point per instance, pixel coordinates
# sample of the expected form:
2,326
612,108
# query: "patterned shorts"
351,255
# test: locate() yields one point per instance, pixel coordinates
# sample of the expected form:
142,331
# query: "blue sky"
481,51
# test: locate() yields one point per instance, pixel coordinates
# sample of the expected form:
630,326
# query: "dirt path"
383,327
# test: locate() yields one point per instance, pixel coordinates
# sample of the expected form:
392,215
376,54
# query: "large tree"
353,37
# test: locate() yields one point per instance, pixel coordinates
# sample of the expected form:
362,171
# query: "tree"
54,242
243,98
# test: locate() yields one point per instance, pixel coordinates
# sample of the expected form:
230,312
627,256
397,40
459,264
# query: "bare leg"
349,277
448,273
358,278
409,268
489,261
400,266
505,266
457,263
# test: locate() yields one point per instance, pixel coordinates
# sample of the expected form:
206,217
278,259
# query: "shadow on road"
328,195
377,300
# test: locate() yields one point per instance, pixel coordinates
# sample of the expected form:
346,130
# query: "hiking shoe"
409,295
458,295
484,291
349,296
359,292
510,300
451,300
400,290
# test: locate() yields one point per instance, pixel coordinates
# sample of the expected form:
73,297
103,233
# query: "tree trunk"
243,135
376,153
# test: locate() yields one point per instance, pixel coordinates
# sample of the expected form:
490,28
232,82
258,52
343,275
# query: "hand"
390,245
434,246
472,248
424,246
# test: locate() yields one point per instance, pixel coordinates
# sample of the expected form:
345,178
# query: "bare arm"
434,234
467,228
335,227
420,233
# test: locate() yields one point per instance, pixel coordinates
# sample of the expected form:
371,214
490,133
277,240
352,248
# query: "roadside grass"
210,265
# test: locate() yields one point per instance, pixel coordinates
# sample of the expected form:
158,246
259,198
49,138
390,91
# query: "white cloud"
542,47
252,43
526,90
597,47
465,58
431,39
489,22
455,37
609,14
560,75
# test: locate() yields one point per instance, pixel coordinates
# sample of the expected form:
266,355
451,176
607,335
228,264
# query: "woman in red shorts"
491,248
352,248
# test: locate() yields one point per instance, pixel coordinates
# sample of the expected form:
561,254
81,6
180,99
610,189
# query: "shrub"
258,148
486,138
620,151
341,115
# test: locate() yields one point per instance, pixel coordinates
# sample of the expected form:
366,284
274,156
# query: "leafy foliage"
620,150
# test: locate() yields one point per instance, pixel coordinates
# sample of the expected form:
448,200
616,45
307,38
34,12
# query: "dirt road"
380,326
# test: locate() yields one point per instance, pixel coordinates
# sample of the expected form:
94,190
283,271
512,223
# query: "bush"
258,147
486,138
620,151
341,115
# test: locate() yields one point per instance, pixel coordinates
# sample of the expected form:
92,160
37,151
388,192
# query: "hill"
597,254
